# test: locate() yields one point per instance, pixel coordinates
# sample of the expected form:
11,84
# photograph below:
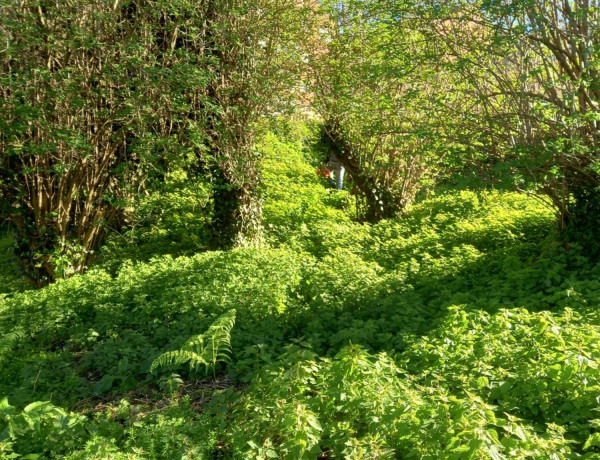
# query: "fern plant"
7,343
204,350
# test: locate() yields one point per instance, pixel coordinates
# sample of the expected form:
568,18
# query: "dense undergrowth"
464,329
10,281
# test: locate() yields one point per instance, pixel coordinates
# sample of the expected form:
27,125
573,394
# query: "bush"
363,406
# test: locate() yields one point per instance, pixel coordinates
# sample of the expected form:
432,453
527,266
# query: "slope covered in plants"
463,329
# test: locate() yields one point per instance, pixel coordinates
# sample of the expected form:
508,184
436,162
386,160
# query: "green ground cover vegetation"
465,328
299,229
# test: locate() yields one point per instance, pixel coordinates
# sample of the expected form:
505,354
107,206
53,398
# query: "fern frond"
177,358
206,349
7,343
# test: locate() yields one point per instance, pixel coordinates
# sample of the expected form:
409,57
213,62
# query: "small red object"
323,171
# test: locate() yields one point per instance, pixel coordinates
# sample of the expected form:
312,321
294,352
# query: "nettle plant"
40,427
361,406
540,366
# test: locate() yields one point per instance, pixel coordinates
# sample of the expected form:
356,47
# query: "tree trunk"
237,213
379,203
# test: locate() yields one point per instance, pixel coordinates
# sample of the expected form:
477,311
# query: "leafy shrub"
173,218
540,366
363,406
10,279
40,428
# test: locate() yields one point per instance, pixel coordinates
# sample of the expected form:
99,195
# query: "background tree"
93,95
254,55
376,89
96,97
534,69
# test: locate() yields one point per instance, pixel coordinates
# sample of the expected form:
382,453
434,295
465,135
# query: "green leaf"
592,441
271,453
104,384
6,408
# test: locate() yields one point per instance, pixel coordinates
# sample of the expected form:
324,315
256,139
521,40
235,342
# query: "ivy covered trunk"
581,222
254,64
237,213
